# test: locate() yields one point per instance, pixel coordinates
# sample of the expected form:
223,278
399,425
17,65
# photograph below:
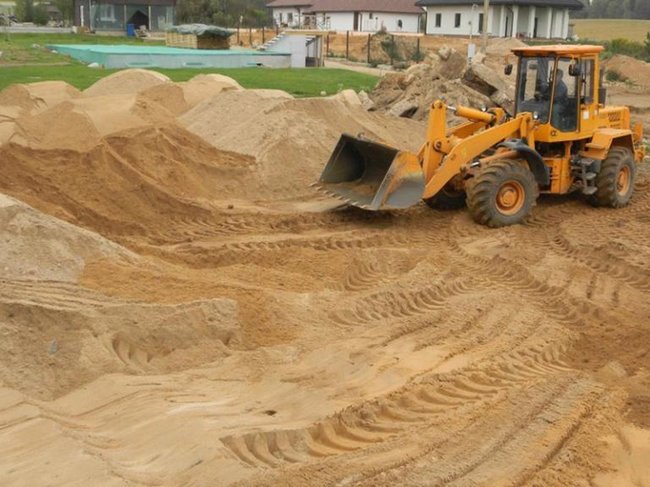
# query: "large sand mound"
36,97
130,183
300,133
128,81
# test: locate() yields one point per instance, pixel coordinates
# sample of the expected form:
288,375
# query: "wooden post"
392,51
347,45
238,26
417,50
263,35
369,36
327,48
250,36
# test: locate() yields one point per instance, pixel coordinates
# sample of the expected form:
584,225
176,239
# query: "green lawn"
25,60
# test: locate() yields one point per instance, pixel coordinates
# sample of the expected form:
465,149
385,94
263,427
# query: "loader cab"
557,85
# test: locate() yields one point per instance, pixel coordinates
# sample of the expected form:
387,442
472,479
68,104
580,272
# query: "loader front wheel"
615,181
503,193
449,198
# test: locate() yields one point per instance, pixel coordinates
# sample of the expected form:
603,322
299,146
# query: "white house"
546,19
352,15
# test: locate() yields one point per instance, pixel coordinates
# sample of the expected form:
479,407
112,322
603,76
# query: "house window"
107,12
371,15
480,22
438,20
280,17
400,24
457,21
290,17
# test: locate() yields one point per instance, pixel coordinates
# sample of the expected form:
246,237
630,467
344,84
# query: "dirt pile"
627,68
446,75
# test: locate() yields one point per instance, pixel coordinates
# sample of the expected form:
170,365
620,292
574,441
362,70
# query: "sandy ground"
177,307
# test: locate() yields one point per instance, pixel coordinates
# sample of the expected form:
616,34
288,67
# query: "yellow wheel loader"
561,138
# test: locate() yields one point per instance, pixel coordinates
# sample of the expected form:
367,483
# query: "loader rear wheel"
503,193
448,198
615,181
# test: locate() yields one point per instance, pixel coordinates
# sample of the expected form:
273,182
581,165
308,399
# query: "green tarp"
202,30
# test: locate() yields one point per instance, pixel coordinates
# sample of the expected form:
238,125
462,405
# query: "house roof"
389,6
290,3
571,4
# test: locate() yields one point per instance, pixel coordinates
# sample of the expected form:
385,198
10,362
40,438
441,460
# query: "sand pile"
36,97
57,338
81,124
206,86
37,246
135,183
629,69
297,135
128,81
22,100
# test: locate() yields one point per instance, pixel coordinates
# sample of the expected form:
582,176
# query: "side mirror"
574,70
507,70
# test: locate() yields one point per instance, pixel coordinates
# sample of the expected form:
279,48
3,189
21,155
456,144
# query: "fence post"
263,34
250,36
392,51
347,45
417,50
369,36
238,34
327,41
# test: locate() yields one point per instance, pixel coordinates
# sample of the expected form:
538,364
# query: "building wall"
344,21
103,16
505,21
281,16
448,20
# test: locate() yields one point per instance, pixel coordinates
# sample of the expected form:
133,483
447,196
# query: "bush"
40,16
628,48
612,75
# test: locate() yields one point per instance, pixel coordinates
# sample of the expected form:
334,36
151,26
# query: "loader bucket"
372,176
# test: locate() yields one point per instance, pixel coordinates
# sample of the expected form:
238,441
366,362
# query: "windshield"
534,88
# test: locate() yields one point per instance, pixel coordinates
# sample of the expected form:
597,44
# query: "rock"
479,58
404,108
501,98
366,102
94,65
452,65
444,52
482,79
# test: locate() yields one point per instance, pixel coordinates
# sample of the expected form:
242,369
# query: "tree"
225,13
25,10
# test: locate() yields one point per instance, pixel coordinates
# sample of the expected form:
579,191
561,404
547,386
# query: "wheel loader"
561,138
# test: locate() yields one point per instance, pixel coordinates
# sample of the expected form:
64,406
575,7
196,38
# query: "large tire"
503,193
447,198
615,181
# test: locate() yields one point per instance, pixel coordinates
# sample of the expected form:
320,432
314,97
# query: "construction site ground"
179,307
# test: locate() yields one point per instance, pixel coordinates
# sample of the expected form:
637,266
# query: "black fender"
533,158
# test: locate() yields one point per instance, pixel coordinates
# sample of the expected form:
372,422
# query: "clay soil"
179,307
